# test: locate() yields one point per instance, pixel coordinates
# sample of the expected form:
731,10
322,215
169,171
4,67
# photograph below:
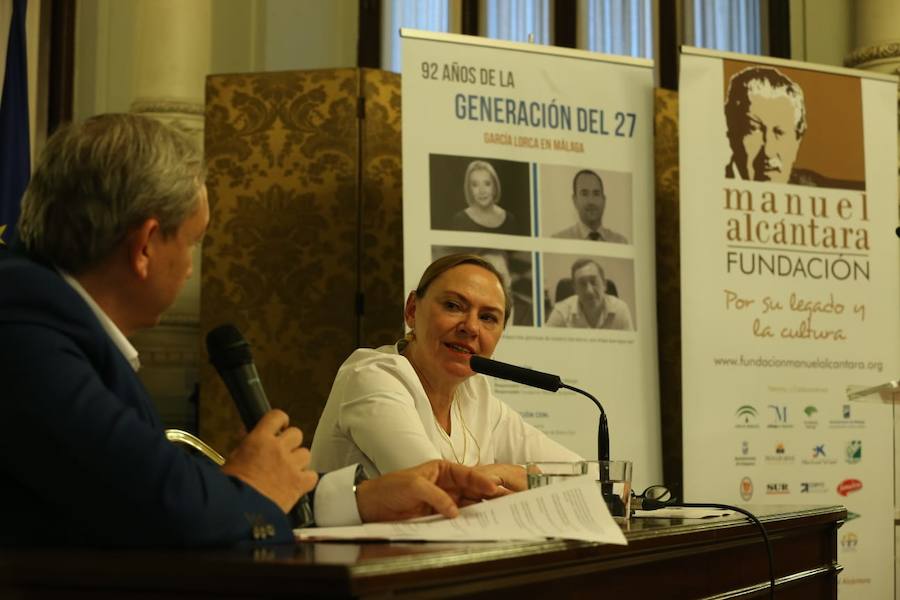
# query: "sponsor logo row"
779,453
844,488
782,416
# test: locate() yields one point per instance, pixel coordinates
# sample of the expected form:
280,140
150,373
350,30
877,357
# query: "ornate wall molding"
167,106
868,54
186,117
167,356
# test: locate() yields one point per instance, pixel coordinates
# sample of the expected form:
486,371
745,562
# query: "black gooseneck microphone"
230,354
544,381
552,383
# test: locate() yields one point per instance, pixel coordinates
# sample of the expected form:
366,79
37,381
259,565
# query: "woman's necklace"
446,437
466,433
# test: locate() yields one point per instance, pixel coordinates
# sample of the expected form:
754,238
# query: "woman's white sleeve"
385,426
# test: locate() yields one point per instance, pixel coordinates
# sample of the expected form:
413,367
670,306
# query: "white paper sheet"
573,509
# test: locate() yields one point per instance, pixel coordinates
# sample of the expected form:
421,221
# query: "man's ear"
409,311
140,247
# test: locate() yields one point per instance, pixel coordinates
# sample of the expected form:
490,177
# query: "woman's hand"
437,486
511,477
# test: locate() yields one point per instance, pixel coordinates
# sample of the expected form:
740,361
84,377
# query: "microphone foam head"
495,368
227,348
479,363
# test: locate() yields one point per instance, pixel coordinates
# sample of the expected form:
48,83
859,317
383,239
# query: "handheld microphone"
544,381
230,354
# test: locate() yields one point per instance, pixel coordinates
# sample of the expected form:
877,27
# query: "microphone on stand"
544,381
552,383
230,354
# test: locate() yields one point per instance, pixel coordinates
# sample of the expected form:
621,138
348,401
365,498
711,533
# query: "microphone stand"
552,383
613,502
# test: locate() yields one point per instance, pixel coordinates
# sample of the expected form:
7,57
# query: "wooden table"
665,559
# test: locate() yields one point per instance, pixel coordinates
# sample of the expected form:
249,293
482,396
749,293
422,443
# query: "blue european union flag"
15,163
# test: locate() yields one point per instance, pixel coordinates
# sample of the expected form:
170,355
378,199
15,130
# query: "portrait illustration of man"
589,197
765,113
766,120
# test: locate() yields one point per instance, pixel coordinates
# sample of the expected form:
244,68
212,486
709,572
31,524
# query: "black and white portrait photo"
479,195
588,292
585,204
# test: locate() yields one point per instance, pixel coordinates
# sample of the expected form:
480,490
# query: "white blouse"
378,415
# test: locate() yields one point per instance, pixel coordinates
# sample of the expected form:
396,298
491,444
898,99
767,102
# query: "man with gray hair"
766,117
591,307
108,223
766,120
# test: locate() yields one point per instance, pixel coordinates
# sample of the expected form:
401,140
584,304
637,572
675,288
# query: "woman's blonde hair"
481,165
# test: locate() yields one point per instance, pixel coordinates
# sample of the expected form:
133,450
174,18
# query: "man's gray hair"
765,81
96,181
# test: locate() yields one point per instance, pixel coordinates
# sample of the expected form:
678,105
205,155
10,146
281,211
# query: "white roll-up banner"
564,140
790,279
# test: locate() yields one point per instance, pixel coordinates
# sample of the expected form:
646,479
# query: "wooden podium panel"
665,559
304,252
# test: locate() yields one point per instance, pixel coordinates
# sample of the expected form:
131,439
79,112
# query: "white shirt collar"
114,333
584,231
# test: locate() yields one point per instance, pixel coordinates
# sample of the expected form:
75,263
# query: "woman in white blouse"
396,406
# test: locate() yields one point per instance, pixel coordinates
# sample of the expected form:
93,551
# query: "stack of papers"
573,509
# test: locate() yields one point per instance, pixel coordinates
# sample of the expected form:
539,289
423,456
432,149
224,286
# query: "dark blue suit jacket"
83,456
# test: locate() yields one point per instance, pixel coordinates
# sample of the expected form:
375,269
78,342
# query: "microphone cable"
650,504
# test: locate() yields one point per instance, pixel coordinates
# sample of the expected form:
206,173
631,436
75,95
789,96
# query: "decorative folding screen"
304,252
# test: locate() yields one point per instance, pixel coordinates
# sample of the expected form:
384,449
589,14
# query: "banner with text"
540,159
789,286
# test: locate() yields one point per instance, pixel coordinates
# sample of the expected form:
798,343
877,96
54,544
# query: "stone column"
172,59
876,37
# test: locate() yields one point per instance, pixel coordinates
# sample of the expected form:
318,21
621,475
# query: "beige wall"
821,30
247,35
104,52
309,34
